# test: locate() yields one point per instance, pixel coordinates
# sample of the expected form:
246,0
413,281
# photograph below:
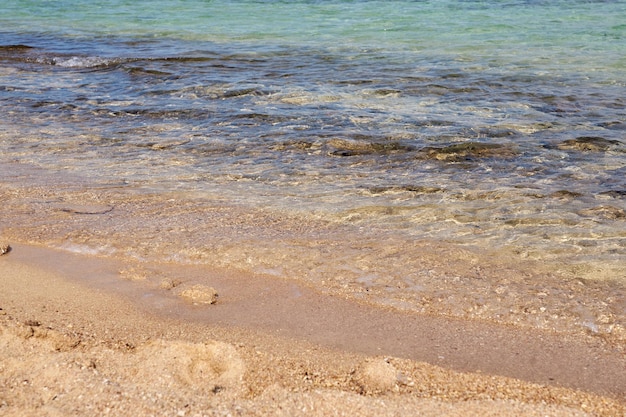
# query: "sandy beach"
315,208
82,335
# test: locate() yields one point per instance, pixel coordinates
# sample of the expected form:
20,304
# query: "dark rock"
469,150
5,248
418,189
588,144
604,212
343,147
565,194
615,193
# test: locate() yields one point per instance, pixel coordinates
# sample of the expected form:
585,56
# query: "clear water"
411,153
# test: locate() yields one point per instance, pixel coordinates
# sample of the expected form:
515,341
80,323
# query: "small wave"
82,62
30,55
87,250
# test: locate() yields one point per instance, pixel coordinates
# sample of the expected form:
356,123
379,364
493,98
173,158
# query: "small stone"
169,283
200,294
134,274
5,248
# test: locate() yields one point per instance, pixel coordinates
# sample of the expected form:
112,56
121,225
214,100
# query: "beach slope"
103,345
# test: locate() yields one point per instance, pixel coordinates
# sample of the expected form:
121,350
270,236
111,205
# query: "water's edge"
413,275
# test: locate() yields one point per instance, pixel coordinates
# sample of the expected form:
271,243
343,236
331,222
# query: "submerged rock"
344,147
588,144
614,125
468,150
418,189
566,194
604,212
614,193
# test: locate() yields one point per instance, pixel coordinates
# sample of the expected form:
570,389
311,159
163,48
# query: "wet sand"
83,335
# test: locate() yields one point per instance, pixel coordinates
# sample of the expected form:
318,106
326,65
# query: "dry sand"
88,336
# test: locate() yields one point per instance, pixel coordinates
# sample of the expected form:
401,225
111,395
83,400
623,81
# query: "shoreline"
284,345
569,294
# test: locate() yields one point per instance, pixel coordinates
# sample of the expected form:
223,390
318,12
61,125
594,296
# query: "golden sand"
71,347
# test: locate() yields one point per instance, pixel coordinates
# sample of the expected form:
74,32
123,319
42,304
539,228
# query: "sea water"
452,157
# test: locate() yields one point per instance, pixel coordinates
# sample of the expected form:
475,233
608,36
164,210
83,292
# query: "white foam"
87,250
81,62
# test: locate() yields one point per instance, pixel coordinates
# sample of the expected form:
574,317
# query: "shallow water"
448,157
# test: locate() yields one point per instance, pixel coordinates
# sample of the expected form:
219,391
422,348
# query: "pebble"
200,294
5,248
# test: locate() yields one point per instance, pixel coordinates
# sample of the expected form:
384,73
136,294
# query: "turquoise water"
493,126
580,34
